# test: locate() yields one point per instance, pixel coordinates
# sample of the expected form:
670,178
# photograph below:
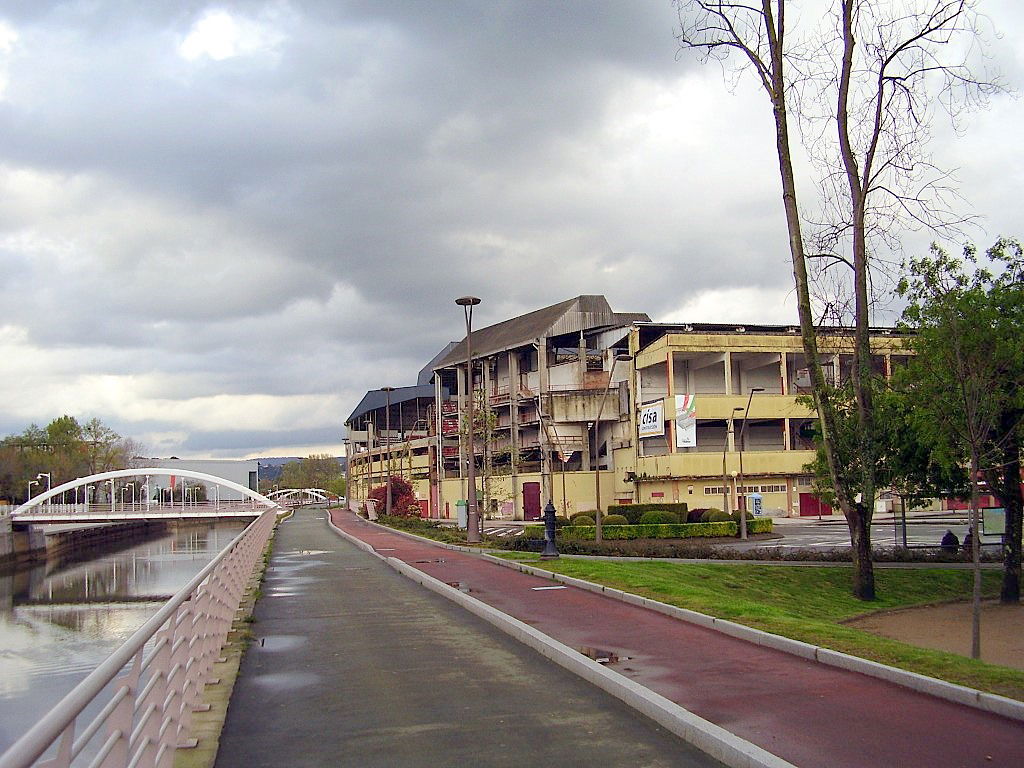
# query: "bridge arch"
316,494
42,498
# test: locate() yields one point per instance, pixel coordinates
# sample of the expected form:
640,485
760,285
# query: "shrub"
638,531
694,515
560,521
403,499
735,516
718,516
581,513
614,520
706,515
658,517
632,512
582,521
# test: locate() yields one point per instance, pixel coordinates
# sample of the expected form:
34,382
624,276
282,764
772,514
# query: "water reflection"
59,620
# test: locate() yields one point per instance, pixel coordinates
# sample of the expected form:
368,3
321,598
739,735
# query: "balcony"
762,406
755,463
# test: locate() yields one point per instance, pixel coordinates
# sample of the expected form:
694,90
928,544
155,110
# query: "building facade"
584,406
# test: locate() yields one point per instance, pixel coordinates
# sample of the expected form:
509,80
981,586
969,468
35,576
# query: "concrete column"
670,399
513,399
783,369
728,373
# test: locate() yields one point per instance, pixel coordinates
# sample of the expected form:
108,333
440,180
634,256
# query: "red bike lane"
805,712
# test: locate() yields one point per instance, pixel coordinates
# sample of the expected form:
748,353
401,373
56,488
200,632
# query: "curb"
702,734
958,694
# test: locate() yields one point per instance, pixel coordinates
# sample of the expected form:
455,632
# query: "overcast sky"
221,223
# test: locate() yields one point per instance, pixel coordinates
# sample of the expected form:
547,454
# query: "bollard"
549,553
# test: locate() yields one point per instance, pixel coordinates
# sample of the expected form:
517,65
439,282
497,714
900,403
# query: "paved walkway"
355,665
807,713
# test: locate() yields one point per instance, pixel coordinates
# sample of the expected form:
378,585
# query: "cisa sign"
651,421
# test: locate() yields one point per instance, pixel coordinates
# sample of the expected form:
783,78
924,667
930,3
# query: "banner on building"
651,421
686,421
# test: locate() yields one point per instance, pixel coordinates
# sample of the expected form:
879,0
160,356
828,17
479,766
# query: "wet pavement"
807,713
354,665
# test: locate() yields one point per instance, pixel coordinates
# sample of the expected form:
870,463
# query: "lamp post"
387,431
729,430
87,489
113,497
472,515
28,496
47,476
743,430
621,358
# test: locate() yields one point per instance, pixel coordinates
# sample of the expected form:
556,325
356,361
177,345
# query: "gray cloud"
293,221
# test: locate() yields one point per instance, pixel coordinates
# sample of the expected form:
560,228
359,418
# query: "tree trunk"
1013,503
863,566
975,561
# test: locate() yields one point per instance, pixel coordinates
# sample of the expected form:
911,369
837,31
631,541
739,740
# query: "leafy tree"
65,450
315,471
966,381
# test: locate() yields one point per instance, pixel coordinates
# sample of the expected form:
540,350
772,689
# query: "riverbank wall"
36,542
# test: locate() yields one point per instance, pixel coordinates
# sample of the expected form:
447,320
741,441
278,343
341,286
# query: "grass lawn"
808,604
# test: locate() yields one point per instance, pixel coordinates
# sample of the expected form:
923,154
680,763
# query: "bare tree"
864,85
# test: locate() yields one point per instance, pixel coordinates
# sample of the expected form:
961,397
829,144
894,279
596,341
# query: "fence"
148,690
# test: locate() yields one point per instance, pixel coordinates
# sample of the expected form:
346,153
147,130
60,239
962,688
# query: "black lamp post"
472,514
550,552
387,429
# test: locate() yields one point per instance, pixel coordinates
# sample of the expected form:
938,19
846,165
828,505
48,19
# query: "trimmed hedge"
582,521
658,517
632,512
614,520
670,531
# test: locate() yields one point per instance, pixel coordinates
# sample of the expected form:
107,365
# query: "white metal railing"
150,693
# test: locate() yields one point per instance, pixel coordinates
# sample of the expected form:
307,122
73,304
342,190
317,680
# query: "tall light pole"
113,497
472,515
621,358
47,476
743,430
387,430
28,496
726,507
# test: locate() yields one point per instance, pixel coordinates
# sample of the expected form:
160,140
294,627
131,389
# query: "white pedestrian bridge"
48,508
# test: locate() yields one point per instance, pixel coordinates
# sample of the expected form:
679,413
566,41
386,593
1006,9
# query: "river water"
60,620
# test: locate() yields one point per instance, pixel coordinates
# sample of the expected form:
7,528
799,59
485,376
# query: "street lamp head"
757,389
738,409
387,389
623,358
467,301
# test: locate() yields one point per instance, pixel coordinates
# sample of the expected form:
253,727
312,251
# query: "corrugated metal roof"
375,399
574,315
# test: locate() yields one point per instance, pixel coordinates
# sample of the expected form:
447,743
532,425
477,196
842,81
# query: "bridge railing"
148,688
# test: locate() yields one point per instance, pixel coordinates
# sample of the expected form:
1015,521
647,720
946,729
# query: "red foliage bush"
403,500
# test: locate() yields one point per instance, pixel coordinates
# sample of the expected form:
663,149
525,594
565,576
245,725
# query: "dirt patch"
948,628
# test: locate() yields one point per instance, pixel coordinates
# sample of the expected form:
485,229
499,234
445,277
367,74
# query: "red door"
811,506
531,501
